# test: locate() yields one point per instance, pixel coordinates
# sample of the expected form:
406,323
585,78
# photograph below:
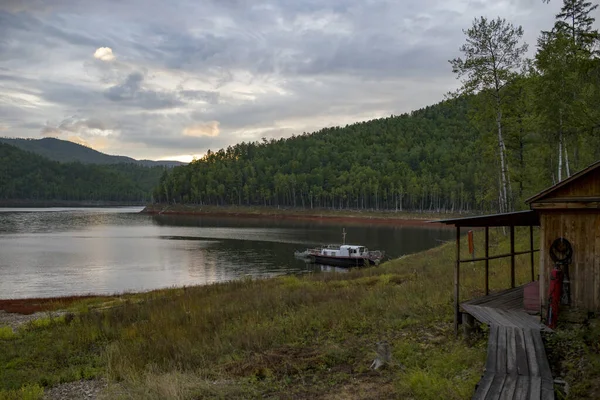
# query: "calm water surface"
59,251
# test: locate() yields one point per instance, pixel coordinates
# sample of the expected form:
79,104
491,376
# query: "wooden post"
531,248
487,261
512,256
468,324
456,283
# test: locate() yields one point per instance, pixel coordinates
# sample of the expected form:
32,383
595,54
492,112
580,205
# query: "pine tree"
576,21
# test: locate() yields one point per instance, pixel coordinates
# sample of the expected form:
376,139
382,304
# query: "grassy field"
307,337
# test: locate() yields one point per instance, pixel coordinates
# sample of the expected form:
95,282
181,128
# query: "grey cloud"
131,91
75,125
82,128
126,90
70,95
208,96
334,61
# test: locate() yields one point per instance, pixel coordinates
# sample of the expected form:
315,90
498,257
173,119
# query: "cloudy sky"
170,79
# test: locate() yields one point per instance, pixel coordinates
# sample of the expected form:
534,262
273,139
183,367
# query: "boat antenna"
343,235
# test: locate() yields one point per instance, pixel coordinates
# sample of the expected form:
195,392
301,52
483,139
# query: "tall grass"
307,337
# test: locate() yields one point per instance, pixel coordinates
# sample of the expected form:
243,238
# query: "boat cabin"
346,250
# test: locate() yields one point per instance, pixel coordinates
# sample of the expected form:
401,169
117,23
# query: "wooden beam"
487,260
512,256
561,205
532,258
516,253
456,283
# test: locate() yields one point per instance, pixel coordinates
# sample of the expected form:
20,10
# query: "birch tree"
493,55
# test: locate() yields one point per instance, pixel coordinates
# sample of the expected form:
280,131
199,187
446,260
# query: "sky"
154,79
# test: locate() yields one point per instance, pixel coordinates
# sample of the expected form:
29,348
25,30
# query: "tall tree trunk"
504,207
560,146
568,169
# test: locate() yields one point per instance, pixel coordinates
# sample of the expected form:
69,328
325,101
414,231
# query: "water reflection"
49,253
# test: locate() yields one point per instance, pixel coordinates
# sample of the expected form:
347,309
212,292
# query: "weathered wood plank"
521,319
511,351
483,387
543,256
522,388
503,317
516,365
492,349
576,205
496,387
522,365
597,265
534,369
540,353
535,388
494,296
507,316
501,356
547,389
508,390
582,229
479,313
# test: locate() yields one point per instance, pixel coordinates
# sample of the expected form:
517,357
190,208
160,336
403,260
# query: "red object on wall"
554,293
471,244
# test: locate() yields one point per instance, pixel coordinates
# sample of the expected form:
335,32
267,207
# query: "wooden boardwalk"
516,366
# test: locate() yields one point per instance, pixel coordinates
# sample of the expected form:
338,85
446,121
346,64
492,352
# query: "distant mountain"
65,151
25,176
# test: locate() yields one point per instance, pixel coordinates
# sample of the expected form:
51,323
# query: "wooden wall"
582,229
587,186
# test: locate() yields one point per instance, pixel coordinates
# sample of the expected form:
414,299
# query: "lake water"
57,252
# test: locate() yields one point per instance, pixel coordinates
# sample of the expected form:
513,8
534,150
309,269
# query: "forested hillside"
65,151
515,126
27,176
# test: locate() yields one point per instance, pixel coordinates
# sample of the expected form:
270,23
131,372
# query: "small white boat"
345,255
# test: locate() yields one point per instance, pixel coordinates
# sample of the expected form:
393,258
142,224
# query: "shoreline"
350,216
67,204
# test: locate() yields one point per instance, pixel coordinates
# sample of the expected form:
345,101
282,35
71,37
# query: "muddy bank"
358,217
42,304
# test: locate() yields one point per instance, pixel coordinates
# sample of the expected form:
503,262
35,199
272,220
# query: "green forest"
516,126
28,176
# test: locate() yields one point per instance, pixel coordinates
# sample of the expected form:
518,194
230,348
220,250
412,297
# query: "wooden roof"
583,186
517,218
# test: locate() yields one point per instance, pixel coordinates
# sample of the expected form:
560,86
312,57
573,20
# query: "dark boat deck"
516,366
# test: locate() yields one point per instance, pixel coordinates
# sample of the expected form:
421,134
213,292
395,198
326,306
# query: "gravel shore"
16,320
79,390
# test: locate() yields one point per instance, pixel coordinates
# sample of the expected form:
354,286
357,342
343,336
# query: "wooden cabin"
571,210
566,212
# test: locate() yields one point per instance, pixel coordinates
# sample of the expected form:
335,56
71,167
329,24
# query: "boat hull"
342,261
